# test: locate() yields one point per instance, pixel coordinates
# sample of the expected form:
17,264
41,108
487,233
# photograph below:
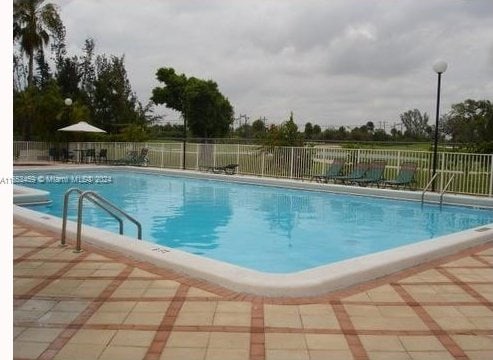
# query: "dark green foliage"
206,111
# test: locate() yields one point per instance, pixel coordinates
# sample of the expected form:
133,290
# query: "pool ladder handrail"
104,204
426,188
443,190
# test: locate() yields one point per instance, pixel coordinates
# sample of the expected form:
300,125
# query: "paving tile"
182,339
79,352
183,353
380,343
196,292
287,354
133,338
221,340
330,354
123,353
230,354
97,337
39,335
431,355
421,343
474,342
480,355
285,341
388,355
326,342
29,350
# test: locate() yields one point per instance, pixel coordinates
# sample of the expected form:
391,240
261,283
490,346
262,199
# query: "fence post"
238,154
162,155
214,154
263,164
442,170
292,163
491,176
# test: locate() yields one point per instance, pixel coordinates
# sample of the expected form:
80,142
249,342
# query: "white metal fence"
472,172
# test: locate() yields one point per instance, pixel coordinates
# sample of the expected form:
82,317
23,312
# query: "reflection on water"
195,224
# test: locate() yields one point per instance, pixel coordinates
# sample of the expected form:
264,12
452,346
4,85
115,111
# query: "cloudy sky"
331,62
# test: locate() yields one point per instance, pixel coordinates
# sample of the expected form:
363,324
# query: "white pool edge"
316,281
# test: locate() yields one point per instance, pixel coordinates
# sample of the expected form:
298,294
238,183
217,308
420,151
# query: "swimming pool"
265,228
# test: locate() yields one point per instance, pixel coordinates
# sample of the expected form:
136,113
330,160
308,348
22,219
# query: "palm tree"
33,24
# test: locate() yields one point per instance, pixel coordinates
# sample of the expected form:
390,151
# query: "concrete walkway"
102,305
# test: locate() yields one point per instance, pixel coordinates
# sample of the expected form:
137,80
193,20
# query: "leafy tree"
258,128
308,130
206,111
34,23
317,131
284,135
114,104
471,122
416,124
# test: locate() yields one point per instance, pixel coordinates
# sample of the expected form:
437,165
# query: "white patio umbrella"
82,126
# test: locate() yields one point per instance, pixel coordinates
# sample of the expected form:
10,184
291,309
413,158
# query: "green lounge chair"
405,177
229,169
357,173
134,158
374,174
334,170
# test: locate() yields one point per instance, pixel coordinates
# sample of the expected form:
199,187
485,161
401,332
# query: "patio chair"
405,177
142,159
334,170
90,155
103,154
67,155
229,169
374,174
357,173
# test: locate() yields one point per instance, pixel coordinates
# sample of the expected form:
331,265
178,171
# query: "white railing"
473,172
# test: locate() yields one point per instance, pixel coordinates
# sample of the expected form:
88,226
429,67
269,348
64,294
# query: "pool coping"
311,282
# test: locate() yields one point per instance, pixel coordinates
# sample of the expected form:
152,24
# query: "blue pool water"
269,229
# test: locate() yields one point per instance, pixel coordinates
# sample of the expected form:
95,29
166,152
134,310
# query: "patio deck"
101,305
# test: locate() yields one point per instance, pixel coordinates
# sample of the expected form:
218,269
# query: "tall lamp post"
68,104
183,161
439,67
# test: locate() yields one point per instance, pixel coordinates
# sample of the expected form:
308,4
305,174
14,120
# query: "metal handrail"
445,189
65,213
104,204
426,187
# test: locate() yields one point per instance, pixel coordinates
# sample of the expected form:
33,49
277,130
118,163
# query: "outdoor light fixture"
68,101
439,67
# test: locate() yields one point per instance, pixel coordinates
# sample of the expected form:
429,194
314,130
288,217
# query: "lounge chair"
357,173
229,169
335,169
405,177
134,158
374,174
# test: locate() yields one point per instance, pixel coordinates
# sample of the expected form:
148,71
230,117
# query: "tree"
308,130
416,124
206,111
284,135
258,128
471,122
34,24
114,104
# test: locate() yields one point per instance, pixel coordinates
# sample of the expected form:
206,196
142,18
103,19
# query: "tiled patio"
99,305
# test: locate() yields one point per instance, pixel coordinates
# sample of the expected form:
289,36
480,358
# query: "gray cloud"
333,63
